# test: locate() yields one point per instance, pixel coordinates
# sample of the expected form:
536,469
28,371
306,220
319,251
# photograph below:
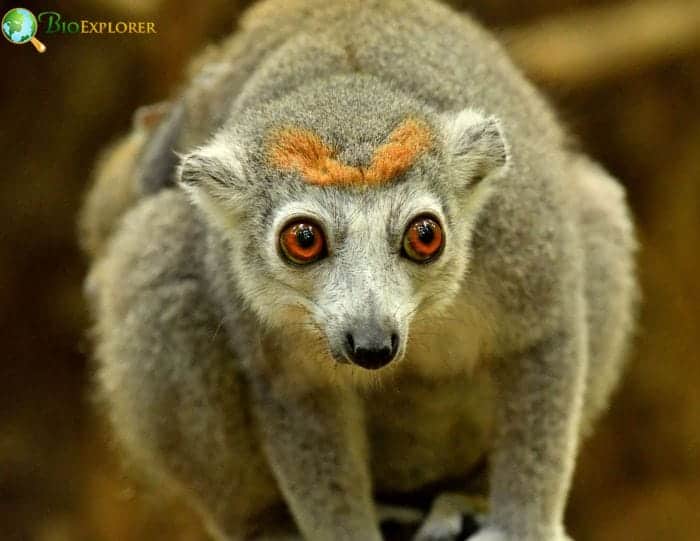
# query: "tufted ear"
475,144
214,177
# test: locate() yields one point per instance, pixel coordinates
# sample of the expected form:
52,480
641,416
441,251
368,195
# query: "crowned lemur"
355,255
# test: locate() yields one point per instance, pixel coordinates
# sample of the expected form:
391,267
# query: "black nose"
371,353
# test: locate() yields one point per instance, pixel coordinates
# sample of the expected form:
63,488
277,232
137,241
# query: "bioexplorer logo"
19,26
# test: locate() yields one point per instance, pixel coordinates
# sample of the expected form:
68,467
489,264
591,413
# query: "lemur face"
363,265
348,240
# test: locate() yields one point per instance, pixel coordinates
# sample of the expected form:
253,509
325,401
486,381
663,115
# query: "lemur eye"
423,239
302,242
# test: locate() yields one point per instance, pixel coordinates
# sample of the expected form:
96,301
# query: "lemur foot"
444,529
494,534
451,517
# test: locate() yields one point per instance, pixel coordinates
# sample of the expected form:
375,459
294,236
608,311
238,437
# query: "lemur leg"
167,374
539,409
315,443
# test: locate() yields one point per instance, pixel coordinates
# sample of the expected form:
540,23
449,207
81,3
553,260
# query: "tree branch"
587,46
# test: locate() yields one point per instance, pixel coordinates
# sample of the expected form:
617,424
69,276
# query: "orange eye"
303,242
423,239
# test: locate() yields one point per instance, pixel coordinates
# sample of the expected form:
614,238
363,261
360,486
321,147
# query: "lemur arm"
539,407
314,442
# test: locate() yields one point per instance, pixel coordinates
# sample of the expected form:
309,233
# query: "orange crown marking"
304,151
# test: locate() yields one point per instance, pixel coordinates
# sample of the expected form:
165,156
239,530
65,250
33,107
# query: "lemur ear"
214,177
475,144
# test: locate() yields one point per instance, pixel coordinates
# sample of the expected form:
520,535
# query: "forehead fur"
302,151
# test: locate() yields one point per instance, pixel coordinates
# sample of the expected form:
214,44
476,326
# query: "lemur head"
347,208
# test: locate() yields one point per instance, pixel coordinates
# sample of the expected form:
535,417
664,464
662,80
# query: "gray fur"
222,365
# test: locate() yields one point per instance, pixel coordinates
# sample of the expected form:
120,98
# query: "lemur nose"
371,352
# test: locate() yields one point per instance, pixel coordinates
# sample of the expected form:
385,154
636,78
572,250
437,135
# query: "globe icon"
19,26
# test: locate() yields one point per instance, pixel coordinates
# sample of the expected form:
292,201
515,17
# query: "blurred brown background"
626,78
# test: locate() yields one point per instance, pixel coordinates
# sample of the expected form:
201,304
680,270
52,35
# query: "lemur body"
241,374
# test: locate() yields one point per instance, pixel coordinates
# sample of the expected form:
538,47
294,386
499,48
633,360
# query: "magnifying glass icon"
19,26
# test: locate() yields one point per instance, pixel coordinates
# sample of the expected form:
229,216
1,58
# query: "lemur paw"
494,534
490,534
440,529
451,517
